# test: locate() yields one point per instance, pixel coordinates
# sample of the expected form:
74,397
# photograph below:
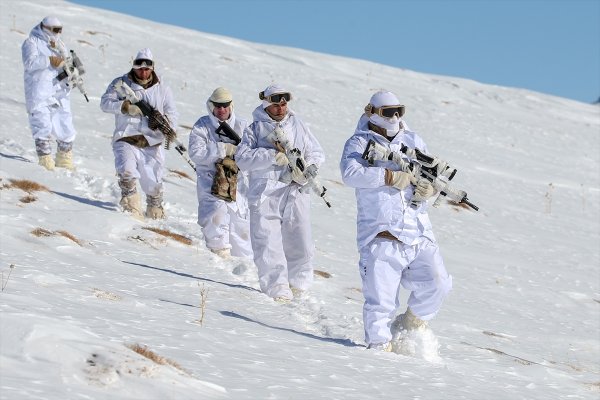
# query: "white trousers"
223,226
145,164
386,265
282,241
53,122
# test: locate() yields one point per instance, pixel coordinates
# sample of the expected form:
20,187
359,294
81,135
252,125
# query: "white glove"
281,159
131,109
230,149
398,179
423,190
298,176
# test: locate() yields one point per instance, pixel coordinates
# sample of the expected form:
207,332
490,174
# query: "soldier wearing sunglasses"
396,243
48,99
137,142
221,186
279,205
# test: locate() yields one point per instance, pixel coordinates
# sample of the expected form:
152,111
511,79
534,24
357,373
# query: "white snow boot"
155,212
64,159
386,347
47,162
132,204
154,208
411,322
223,253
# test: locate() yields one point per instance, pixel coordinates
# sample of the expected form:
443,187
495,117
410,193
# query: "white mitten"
230,149
423,190
281,159
298,176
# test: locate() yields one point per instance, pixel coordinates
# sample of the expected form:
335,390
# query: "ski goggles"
53,29
388,111
221,105
275,97
143,63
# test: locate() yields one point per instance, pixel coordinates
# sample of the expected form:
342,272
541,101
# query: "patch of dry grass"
149,354
181,174
28,199
322,274
174,236
41,232
26,186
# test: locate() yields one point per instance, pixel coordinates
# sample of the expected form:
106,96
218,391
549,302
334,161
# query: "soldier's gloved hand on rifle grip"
131,109
281,159
55,61
229,148
423,190
398,179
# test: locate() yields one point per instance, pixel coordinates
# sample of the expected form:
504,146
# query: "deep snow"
523,320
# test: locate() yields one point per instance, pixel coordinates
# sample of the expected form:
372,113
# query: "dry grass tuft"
68,236
26,186
149,354
181,174
41,232
322,274
28,199
174,236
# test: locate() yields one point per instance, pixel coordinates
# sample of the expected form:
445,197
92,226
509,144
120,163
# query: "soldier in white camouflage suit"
137,143
48,99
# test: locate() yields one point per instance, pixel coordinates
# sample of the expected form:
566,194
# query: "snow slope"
83,284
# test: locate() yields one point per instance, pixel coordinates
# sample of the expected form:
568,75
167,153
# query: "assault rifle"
436,171
281,142
156,118
225,130
72,69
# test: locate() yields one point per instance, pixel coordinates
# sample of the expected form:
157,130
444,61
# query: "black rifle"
225,130
155,118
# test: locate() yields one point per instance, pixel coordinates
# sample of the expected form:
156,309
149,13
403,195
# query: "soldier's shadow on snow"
13,157
105,205
231,285
343,342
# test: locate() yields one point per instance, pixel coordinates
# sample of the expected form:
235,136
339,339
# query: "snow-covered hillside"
83,284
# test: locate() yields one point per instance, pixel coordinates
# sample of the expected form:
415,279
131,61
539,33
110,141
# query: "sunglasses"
221,105
276,97
388,111
143,63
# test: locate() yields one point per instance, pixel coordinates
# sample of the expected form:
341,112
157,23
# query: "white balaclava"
380,99
51,22
219,95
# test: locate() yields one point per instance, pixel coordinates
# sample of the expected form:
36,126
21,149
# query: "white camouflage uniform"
47,99
225,225
279,211
132,162
413,259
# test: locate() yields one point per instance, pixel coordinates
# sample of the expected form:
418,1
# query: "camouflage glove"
55,61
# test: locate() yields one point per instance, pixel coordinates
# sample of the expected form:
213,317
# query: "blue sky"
550,46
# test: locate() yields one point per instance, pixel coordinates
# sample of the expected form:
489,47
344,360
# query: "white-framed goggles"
276,97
